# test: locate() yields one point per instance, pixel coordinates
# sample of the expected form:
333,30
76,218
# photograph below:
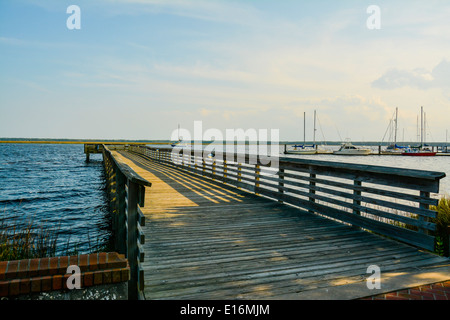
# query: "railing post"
423,219
357,193
311,190
224,169
239,173
280,183
257,171
132,254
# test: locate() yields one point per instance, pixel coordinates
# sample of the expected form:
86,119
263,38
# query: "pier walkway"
208,240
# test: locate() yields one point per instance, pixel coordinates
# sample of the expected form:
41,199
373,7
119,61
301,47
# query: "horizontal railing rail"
126,190
393,202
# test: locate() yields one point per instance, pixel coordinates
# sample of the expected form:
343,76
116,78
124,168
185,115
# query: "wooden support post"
87,156
120,218
132,252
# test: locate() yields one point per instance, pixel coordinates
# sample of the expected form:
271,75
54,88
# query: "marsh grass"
442,222
19,241
27,240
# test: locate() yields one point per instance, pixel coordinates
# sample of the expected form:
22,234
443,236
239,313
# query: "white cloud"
421,78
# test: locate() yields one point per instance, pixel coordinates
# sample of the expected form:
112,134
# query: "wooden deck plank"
208,240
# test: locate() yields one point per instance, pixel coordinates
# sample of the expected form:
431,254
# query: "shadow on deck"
207,240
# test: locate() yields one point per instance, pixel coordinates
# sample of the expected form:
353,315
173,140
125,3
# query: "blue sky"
136,68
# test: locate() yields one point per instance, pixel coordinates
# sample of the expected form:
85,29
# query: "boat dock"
210,229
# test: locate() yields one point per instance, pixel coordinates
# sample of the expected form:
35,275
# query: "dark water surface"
51,185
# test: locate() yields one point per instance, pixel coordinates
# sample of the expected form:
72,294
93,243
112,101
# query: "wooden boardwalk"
207,240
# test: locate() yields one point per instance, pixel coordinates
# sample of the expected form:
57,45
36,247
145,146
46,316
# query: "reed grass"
18,241
442,222
30,240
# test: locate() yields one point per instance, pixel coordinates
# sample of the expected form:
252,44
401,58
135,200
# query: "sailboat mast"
304,128
314,132
421,126
396,127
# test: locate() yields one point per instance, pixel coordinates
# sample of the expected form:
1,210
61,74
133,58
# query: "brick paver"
435,291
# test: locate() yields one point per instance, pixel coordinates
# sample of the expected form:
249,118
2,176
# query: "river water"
51,186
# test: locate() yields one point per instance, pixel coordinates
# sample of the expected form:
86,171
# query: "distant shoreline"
86,141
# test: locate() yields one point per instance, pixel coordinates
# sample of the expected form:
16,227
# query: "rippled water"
52,186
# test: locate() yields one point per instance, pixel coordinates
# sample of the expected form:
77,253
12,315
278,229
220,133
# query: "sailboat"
420,151
394,148
304,149
179,142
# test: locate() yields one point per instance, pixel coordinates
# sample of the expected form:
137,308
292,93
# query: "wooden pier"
225,229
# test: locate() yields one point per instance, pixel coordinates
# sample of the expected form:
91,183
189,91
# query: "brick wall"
27,276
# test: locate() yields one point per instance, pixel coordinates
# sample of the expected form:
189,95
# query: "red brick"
44,266
114,261
98,277
14,287
22,271
435,291
107,276
116,275
440,297
53,266
35,284
57,282
73,261
3,266
4,288
46,283
125,274
415,291
34,267
396,298
102,260
25,286
88,279
63,264
93,262
11,271
64,280
83,262
437,286
410,296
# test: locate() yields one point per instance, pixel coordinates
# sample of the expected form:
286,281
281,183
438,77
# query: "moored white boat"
349,149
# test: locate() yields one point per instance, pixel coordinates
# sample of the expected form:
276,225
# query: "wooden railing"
389,201
126,191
